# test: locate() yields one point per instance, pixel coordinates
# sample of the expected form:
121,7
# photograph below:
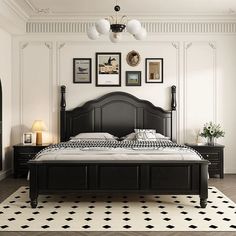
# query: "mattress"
115,150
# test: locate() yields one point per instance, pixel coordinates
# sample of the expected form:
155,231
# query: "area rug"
117,213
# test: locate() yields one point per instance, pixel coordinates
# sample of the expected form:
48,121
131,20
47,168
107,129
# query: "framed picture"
82,70
28,138
133,58
154,70
133,78
108,69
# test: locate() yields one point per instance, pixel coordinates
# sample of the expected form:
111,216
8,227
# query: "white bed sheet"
119,154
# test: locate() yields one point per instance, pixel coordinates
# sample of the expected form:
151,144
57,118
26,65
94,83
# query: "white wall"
201,66
5,76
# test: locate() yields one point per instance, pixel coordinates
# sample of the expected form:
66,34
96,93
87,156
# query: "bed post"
173,114
63,114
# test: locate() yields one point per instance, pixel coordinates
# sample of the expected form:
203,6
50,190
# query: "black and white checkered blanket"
114,144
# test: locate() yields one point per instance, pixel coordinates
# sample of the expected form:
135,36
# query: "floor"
226,185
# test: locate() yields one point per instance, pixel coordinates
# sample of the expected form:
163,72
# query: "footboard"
156,177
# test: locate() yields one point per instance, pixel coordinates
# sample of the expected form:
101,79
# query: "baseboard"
230,172
4,174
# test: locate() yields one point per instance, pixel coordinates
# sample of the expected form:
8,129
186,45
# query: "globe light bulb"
115,37
133,26
102,26
92,33
141,34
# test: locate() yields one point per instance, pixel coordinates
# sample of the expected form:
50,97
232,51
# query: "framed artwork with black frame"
154,70
82,70
108,69
133,78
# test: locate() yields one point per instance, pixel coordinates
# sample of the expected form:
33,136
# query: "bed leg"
203,202
204,185
34,202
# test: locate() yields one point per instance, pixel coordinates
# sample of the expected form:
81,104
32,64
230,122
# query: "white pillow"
145,136
160,136
153,131
94,136
142,136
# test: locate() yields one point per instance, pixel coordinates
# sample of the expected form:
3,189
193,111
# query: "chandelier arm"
111,19
123,19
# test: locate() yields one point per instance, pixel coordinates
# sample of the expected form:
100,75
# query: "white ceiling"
63,8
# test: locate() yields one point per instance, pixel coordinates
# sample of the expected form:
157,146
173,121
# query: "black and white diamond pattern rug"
117,213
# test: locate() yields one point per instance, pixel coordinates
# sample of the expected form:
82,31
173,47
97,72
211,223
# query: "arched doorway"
0,125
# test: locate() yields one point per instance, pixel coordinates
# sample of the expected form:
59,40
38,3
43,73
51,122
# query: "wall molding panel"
176,45
23,81
151,27
186,78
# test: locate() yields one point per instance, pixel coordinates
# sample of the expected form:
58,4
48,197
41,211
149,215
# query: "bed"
118,113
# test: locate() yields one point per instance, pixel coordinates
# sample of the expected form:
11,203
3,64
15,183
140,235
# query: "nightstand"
214,154
22,154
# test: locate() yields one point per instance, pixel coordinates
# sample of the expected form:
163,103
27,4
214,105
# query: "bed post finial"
63,98
173,98
63,114
173,114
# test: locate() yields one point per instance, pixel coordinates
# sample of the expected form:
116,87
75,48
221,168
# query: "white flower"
211,131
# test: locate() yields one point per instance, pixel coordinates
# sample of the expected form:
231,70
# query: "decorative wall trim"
187,45
16,9
151,26
215,102
48,45
176,45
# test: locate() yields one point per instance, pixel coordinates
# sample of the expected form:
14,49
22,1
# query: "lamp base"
39,138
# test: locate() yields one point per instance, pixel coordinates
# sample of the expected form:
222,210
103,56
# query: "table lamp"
38,126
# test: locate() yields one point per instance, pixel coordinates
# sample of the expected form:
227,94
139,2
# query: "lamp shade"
38,126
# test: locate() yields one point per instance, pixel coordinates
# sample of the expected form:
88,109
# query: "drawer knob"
207,155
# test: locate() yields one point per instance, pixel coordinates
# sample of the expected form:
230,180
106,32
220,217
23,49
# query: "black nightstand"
214,154
22,154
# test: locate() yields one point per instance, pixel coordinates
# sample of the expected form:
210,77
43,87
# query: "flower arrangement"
212,131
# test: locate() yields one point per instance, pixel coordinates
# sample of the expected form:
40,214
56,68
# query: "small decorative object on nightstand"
22,154
212,132
214,154
39,126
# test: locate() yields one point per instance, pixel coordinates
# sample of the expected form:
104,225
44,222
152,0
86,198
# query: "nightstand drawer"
215,155
22,154
211,156
26,155
214,165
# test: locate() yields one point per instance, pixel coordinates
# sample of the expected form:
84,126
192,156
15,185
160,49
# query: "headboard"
117,113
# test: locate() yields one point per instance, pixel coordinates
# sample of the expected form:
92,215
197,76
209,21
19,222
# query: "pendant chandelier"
115,26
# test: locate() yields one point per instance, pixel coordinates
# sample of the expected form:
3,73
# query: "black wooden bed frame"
118,113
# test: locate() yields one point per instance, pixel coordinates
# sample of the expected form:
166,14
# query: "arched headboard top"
119,96
117,113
